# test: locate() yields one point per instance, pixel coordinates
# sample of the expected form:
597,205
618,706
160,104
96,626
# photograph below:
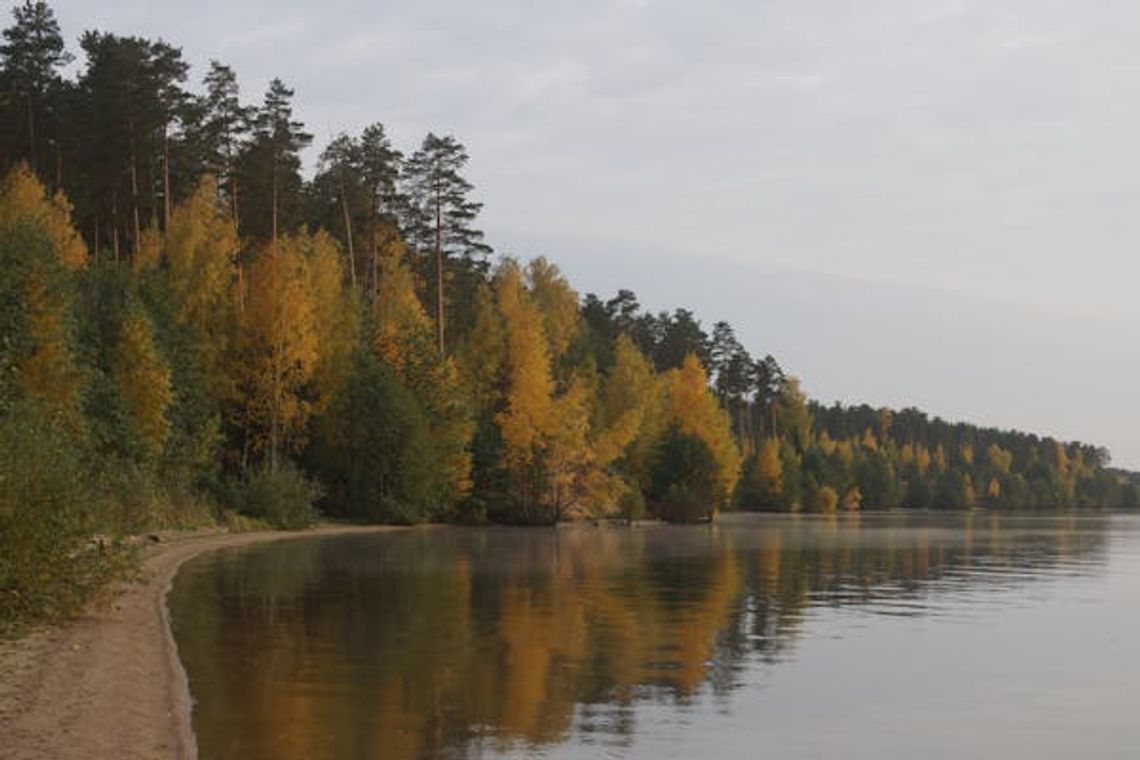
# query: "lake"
965,635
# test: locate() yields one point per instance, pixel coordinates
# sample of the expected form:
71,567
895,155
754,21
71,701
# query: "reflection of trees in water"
458,641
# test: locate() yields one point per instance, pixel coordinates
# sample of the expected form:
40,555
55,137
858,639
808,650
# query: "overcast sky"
929,202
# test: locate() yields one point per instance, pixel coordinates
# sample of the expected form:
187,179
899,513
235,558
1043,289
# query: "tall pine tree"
441,214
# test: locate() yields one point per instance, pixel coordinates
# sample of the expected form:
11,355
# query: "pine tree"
30,58
270,168
130,93
441,213
222,129
379,169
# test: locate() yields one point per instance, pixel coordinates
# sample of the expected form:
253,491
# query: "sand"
110,684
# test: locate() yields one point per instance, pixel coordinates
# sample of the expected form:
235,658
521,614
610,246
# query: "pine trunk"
115,223
165,177
233,198
439,274
348,233
375,248
136,226
32,136
273,214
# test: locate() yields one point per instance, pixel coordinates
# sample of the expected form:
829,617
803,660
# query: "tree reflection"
454,642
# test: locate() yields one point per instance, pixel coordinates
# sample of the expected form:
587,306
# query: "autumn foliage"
202,329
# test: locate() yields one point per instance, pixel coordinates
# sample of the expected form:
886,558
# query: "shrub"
683,479
376,455
283,497
631,504
51,563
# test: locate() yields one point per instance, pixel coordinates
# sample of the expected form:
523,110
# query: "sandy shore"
110,685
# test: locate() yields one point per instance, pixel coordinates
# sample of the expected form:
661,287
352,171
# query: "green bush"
375,454
51,561
683,480
631,504
684,502
283,497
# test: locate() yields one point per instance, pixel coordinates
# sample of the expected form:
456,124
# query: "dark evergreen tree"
379,167
680,335
129,96
440,220
31,55
683,483
220,127
270,168
338,195
376,463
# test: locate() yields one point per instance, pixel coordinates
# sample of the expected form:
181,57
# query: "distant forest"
192,331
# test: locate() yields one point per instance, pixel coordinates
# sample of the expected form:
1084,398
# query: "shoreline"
110,684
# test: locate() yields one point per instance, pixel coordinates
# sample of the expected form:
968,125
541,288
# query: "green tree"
684,483
377,460
441,214
130,93
222,126
270,168
30,58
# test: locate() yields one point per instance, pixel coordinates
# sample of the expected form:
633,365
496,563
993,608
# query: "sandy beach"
109,684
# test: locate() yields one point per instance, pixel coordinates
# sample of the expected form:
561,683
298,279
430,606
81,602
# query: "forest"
195,330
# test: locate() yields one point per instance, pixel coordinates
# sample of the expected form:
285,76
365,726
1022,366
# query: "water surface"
872,636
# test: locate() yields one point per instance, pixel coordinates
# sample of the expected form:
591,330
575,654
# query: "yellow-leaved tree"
149,253
792,416
528,379
572,481
526,415
483,353
144,381
691,405
558,303
47,370
201,252
24,199
400,319
763,482
38,342
404,339
627,423
278,346
336,316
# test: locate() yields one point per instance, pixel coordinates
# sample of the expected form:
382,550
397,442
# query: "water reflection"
479,642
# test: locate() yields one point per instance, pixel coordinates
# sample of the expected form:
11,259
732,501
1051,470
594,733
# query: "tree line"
195,330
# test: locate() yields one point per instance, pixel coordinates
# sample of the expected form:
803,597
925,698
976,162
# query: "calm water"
875,636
